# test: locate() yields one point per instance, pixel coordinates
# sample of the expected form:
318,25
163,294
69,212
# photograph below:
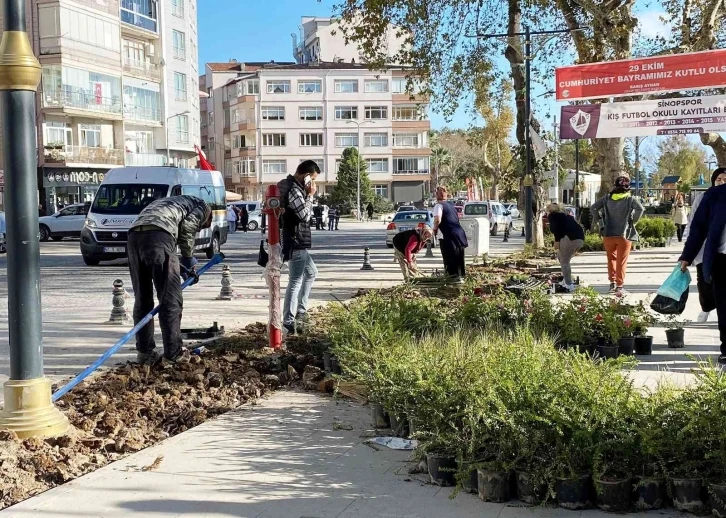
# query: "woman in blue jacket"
708,230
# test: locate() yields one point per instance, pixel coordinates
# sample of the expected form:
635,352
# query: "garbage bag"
672,296
262,257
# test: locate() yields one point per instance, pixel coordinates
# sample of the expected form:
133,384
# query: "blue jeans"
302,275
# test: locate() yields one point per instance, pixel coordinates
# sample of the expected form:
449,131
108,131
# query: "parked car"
254,209
499,218
406,208
407,220
3,248
459,210
67,222
512,209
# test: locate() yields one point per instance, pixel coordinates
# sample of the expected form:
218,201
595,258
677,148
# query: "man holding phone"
297,192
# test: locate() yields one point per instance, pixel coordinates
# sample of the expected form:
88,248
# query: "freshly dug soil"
131,407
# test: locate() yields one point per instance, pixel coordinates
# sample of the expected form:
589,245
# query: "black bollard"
429,250
367,260
119,315
226,293
506,235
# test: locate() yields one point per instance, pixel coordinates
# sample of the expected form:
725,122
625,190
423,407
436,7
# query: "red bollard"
273,211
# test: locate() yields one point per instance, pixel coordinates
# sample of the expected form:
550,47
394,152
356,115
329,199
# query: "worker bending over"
153,238
407,244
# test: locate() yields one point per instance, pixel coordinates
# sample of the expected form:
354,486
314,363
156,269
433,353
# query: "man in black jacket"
297,193
153,238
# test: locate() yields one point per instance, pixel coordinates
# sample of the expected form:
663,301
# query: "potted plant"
675,334
612,332
642,320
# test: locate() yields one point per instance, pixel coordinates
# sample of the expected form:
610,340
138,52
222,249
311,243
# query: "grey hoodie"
619,215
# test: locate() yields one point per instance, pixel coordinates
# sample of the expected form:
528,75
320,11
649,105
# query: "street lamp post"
28,408
166,125
358,208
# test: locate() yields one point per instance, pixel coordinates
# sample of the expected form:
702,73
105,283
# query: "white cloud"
651,25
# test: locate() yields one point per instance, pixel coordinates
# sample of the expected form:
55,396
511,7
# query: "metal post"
357,212
168,151
637,167
528,194
556,166
28,409
576,190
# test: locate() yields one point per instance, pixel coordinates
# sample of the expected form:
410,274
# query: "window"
240,141
311,139
346,139
245,168
134,53
377,86
319,161
140,13
346,113
311,113
177,8
278,87
406,113
411,165
273,113
58,134
91,135
380,190
405,140
141,104
376,112
346,86
180,86
309,87
376,139
182,129
274,166
179,44
253,87
398,85
377,165
273,139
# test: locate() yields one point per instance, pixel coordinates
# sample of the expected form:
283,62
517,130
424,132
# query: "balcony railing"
145,159
72,97
412,171
83,155
142,113
142,68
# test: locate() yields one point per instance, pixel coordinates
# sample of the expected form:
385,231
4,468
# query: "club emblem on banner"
580,122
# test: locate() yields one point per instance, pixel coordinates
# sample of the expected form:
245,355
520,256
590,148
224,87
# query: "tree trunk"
609,154
718,144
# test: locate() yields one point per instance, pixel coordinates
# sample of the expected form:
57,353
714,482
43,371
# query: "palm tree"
439,156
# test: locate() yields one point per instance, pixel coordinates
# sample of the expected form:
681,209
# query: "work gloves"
187,269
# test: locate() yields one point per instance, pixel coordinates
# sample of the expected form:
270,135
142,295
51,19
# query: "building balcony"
146,22
412,172
204,132
145,159
143,114
248,151
411,151
77,155
73,100
142,69
419,125
244,125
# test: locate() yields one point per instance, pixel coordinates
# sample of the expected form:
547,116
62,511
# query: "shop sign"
77,177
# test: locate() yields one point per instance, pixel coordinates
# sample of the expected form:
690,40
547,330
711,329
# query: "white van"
126,191
499,217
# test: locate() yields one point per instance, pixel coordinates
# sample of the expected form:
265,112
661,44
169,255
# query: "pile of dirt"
132,407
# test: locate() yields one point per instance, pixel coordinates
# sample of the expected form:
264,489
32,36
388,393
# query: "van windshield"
126,198
497,209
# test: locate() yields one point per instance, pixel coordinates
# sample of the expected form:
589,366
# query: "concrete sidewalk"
289,457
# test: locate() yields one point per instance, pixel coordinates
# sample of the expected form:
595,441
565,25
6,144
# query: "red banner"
98,92
671,73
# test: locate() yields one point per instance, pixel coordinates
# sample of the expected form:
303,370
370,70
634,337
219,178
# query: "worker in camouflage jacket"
153,238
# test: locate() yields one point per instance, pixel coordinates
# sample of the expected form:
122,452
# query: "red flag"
203,162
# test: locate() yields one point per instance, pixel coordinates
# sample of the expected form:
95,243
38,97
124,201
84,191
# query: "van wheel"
44,233
91,261
495,229
252,226
214,249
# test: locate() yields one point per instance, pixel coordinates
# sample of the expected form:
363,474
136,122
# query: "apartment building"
268,117
119,87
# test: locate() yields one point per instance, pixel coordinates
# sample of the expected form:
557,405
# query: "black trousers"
679,232
331,223
454,258
705,291
718,281
154,264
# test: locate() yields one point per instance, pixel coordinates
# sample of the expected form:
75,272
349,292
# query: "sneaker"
722,360
703,317
151,358
612,287
183,356
620,291
289,328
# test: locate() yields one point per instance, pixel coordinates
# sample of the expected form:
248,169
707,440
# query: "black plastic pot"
399,425
470,482
607,352
687,494
442,469
718,500
643,345
615,496
675,338
574,493
588,349
626,346
327,363
650,494
493,485
527,490
379,417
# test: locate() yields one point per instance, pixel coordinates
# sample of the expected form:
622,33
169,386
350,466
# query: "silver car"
407,220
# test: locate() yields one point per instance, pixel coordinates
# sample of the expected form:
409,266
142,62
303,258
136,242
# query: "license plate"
403,229
114,249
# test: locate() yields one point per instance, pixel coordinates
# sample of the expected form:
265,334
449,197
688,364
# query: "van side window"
176,191
219,198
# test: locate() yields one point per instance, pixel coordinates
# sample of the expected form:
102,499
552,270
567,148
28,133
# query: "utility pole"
576,190
557,159
28,408
637,167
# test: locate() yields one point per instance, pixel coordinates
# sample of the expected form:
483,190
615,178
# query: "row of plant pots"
630,345
644,494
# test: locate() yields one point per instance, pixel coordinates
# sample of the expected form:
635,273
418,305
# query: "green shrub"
593,243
